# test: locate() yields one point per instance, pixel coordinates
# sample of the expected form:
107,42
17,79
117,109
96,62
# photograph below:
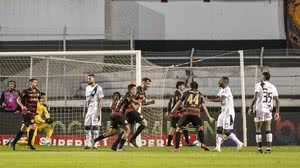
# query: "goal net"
63,77
242,81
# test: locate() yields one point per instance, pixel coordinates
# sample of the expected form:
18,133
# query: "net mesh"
207,79
63,79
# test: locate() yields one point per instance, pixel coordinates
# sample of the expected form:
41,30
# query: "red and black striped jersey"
140,94
192,102
30,98
126,102
115,110
172,102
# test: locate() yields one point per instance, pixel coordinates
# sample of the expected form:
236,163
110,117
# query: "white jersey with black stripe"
227,105
93,94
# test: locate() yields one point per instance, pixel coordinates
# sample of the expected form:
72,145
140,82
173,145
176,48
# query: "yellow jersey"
41,113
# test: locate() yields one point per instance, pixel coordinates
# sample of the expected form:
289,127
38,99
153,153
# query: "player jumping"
265,94
225,121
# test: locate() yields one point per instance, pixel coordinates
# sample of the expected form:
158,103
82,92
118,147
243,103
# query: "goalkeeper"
43,120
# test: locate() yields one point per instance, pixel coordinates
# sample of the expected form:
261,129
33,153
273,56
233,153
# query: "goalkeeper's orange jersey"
41,112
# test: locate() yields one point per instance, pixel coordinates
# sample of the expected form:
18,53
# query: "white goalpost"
242,82
243,94
62,76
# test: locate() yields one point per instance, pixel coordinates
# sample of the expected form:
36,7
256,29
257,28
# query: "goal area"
63,77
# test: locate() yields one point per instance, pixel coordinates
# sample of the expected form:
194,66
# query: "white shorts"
262,116
226,121
92,118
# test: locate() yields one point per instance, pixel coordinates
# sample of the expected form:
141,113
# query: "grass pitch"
148,157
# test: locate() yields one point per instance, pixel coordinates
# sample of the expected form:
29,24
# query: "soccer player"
129,106
117,118
225,121
193,102
174,117
94,98
265,94
136,117
43,120
9,97
29,99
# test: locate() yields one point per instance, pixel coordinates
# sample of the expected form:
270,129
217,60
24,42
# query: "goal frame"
138,58
136,53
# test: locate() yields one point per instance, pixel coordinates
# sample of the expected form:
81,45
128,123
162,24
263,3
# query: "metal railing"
262,57
62,39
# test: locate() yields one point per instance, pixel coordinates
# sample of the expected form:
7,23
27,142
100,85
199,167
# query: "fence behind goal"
63,78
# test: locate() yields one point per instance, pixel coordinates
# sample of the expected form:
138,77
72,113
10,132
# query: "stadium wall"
50,17
196,20
150,20
156,26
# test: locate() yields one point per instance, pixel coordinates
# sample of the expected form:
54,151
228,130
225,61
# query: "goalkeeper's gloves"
49,120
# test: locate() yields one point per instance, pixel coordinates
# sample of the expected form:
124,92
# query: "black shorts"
174,121
28,119
134,117
117,121
185,119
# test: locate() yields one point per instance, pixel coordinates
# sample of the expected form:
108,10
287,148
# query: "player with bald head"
225,120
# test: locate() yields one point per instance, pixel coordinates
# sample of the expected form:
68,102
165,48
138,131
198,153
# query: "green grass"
155,157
